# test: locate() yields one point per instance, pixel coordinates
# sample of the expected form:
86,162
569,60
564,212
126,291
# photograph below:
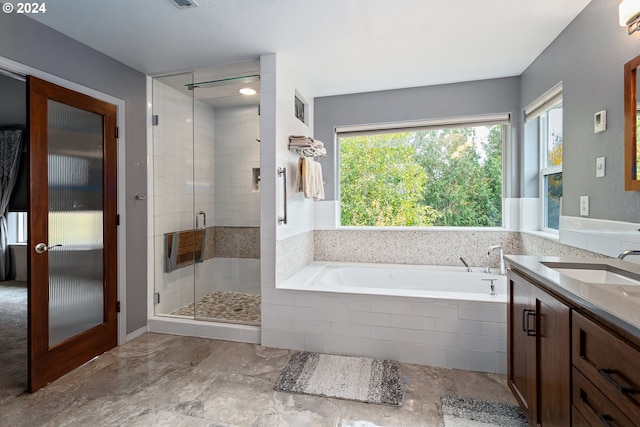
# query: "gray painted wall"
422,103
588,57
13,102
28,42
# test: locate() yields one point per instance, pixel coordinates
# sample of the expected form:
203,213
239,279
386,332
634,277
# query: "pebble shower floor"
225,307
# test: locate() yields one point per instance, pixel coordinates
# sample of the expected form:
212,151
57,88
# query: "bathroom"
324,322
311,233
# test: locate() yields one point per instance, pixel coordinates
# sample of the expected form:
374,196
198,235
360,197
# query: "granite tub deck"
161,379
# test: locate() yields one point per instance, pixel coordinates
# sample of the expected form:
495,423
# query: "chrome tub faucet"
628,252
463,261
502,268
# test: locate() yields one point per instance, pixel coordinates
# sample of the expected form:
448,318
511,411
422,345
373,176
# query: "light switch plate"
600,167
584,205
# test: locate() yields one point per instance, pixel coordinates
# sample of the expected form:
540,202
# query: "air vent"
185,4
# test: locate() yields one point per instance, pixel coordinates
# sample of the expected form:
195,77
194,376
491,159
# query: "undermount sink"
601,274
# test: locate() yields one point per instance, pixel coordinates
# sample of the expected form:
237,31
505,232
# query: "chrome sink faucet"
625,253
502,268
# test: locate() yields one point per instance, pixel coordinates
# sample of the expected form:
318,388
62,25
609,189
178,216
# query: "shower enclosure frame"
164,323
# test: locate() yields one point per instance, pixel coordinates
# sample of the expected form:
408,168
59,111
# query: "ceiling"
334,46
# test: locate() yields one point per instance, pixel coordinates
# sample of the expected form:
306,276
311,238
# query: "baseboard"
135,334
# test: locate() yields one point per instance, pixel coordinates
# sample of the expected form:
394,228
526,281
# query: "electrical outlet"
584,205
599,167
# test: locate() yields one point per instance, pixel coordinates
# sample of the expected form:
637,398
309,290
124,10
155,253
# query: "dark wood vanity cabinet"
606,375
538,357
566,366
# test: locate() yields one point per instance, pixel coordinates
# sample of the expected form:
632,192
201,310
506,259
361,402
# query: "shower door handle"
204,219
41,248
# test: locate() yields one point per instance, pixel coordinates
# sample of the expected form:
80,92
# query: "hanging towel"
319,186
308,177
299,175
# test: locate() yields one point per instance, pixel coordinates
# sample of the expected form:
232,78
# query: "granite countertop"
618,305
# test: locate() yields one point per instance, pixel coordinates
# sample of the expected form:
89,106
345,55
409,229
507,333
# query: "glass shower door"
206,195
175,234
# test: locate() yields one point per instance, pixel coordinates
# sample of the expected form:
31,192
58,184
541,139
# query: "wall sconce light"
630,15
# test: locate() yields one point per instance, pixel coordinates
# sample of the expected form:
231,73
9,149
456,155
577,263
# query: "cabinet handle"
604,419
527,328
606,374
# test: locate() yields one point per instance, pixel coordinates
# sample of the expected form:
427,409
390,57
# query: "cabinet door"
521,366
553,382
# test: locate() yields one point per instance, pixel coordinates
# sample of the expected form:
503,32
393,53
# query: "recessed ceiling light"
247,91
185,4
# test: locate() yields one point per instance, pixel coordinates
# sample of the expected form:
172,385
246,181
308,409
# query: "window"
17,225
547,111
444,174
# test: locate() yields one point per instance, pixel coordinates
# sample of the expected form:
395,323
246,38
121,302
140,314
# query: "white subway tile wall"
454,334
237,130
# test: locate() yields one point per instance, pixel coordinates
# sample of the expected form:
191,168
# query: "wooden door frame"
24,70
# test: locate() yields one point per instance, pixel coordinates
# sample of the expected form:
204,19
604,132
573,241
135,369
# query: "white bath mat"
353,378
458,411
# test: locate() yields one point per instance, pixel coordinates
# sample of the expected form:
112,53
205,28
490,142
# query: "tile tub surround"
293,254
159,379
447,333
434,247
430,247
466,335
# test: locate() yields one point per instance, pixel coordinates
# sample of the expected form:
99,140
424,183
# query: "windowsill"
433,228
544,234
18,244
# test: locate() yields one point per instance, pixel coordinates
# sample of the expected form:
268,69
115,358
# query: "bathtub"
422,281
431,315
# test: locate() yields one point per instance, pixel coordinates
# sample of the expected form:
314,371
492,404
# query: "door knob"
41,248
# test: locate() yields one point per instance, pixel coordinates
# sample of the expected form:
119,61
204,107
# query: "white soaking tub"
426,281
432,315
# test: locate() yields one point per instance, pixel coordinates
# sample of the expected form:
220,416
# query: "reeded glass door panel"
75,161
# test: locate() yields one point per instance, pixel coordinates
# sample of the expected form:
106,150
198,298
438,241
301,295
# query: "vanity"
573,340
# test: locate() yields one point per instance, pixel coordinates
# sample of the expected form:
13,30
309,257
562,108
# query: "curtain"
10,150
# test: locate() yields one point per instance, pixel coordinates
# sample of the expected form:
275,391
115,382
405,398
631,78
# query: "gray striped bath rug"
461,411
353,378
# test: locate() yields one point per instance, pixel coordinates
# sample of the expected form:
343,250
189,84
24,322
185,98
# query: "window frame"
407,126
539,108
545,170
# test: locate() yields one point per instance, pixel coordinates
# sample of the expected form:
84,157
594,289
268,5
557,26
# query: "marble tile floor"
222,306
167,380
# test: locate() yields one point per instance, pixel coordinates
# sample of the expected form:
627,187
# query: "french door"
72,230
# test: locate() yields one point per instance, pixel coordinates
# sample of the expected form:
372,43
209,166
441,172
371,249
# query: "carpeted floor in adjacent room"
13,339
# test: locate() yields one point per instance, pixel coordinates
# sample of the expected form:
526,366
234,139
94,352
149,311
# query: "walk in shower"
206,195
